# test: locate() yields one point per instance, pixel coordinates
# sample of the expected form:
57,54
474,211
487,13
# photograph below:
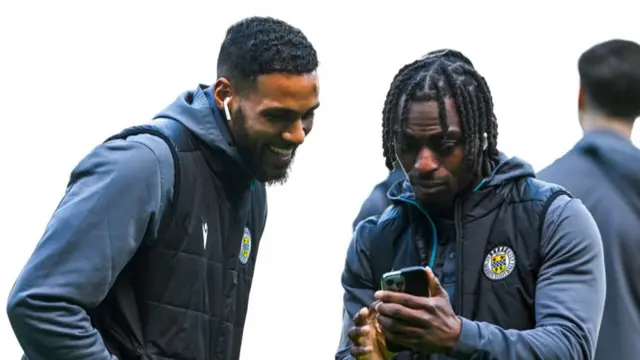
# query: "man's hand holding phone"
424,324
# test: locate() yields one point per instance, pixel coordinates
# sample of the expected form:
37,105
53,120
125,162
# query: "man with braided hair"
514,265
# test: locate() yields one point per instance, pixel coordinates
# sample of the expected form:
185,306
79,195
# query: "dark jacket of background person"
603,170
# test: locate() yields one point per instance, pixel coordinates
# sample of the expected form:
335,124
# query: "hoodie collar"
509,169
196,110
616,156
483,198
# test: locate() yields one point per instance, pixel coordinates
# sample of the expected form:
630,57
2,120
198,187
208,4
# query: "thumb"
435,288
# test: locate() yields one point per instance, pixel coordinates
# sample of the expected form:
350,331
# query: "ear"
582,101
222,89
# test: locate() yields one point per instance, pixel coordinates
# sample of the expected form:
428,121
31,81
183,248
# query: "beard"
281,180
252,151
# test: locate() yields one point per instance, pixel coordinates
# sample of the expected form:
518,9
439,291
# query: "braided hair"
434,77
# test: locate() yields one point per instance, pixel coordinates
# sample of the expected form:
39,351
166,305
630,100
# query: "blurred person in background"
515,265
603,170
151,252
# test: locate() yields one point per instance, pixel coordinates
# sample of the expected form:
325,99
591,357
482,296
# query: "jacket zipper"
458,224
434,233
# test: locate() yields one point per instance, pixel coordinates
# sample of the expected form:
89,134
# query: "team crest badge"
245,246
499,263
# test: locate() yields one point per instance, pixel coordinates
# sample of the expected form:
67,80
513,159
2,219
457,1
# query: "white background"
74,72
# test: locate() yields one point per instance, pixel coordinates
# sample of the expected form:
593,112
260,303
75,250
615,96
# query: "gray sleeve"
357,282
115,199
344,348
569,300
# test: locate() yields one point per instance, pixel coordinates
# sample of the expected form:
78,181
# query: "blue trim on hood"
408,197
507,169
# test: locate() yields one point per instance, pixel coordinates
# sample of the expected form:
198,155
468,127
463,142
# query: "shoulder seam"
545,221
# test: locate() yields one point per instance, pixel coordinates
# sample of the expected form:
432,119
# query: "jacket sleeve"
115,196
569,298
357,281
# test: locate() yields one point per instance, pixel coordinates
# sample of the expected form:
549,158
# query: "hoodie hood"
618,159
509,169
196,110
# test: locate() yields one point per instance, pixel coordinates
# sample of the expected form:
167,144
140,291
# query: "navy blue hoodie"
603,170
114,201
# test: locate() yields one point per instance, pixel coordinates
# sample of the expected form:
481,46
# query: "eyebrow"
450,132
285,111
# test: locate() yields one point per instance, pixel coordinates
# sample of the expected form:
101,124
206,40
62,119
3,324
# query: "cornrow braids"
451,54
436,76
391,102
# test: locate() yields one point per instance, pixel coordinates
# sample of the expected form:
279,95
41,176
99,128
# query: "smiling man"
515,265
150,254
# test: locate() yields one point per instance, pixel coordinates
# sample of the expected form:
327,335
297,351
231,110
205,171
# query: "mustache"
426,180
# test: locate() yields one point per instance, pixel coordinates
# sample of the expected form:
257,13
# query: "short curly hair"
263,45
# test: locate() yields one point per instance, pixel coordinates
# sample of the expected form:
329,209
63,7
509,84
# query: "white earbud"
397,162
485,142
227,112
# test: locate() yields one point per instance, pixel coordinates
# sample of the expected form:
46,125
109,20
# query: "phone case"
412,280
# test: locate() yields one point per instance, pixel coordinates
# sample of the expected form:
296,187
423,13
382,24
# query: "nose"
295,133
427,161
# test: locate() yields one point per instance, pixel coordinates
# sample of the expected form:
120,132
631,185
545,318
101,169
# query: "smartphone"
411,280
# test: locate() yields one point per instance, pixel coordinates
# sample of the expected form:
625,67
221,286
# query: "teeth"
279,151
